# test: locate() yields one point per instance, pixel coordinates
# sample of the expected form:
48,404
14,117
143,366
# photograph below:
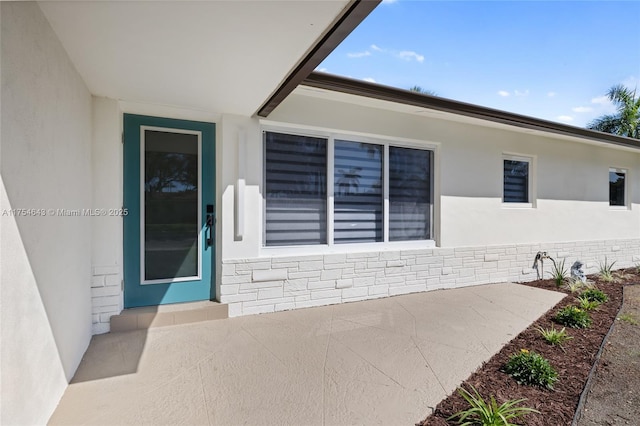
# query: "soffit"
217,56
341,89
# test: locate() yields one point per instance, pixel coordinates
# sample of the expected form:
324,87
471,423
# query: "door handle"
209,231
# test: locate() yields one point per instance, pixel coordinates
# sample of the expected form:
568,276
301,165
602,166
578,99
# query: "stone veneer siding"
106,296
268,284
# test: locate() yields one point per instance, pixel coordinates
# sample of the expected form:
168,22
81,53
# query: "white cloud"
389,1
601,100
322,69
582,109
359,54
603,105
369,79
565,118
631,82
551,94
409,55
506,93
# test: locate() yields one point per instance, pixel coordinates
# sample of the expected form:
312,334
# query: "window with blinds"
357,192
410,203
516,180
295,190
297,198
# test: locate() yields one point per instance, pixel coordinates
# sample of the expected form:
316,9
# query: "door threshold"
166,315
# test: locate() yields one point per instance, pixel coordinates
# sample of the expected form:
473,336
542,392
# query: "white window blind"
357,192
410,203
295,190
516,181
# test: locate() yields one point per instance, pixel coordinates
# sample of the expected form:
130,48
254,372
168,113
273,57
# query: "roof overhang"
234,57
422,103
343,26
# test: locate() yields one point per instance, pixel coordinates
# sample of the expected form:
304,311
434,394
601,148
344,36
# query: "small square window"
617,187
516,180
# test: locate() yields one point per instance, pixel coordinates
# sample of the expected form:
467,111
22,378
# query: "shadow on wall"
40,350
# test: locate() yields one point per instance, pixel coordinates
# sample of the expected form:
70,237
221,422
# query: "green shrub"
574,286
586,304
606,270
574,317
595,295
530,368
489,414
559,273
554,336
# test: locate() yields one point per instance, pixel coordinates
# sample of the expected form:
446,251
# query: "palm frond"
626,122
419,89
606,123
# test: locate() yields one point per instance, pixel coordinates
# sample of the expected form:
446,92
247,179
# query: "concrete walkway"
385,361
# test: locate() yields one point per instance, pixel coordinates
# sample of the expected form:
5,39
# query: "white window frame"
143,280
330,246
531,160
624,170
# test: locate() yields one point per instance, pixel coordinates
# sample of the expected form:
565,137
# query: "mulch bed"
557,406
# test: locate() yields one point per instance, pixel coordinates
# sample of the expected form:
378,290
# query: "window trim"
142,194
263,206
531,182
626,204
331,136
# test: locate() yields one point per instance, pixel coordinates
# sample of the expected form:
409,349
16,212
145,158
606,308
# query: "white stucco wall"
491,242
571,179
46,260
106,231
479,240
232,168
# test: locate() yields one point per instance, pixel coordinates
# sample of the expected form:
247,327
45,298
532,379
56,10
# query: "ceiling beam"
355,12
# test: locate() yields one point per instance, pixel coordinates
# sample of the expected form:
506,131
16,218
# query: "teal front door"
169,195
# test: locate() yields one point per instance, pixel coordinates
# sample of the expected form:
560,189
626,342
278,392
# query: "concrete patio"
384,361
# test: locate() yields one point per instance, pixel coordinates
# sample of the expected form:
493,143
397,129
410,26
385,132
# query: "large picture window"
380,192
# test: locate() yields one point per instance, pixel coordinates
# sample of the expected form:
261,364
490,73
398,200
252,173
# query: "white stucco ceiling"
217,56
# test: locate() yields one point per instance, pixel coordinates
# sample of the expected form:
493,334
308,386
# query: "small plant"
575,286
595,295
489,413
559,273
628,318
530,368
606,272
586,304
574,317
554,336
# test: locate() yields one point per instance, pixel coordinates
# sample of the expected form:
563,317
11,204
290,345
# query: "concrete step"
165,315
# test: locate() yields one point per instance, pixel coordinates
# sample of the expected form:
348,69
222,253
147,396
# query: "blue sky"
551,60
